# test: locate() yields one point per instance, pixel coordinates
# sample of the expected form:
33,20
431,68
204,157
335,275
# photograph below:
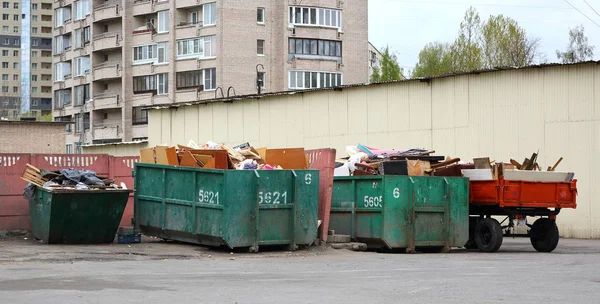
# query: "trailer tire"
544,235
488,235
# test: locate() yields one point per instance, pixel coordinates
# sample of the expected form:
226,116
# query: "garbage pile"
213,155
65,179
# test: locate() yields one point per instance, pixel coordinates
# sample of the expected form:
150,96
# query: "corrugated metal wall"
121,149
503,115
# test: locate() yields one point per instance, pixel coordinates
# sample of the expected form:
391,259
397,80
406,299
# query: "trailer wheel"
544,235
488,235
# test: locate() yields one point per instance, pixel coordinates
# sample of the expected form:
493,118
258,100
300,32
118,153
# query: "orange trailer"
516,200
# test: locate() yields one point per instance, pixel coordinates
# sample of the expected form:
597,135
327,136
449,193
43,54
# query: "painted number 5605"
373,201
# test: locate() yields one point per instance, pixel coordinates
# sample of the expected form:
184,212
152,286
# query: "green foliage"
578,49
434,60
390,69
498,41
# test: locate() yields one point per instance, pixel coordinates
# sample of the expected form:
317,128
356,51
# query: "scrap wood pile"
67,179
219,156
365,160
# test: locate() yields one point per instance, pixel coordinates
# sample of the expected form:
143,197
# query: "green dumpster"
398,212
76,216
235,208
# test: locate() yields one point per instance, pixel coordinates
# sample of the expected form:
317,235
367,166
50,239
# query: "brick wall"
32,137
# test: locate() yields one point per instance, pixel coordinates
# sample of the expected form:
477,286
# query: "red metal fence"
14,209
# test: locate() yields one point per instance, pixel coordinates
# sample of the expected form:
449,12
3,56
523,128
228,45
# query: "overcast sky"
407,25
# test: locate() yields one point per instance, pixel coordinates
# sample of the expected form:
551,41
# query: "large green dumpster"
401,211
76,216
236,208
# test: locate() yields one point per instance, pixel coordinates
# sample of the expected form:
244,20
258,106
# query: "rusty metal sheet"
324,161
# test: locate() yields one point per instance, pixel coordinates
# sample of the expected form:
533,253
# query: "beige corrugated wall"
132,149
503,115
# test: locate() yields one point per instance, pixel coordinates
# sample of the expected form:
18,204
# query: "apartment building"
113,58
26,61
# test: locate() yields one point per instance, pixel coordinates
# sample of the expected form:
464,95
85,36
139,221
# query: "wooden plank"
556,164
482,163
147,156
206,161
515,163
417,167
289,158
188,160
166,156
445,163
221,158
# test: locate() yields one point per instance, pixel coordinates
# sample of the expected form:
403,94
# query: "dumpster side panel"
240,209
40,208
179,200
342,206
459,211
430,201
206,200
307,184
276,204
369,208
397,200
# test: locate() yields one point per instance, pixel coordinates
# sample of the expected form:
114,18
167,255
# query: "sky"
407,25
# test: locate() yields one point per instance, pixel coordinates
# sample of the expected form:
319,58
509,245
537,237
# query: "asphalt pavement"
516,274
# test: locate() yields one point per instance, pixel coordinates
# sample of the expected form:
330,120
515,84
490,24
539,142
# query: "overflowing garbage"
213,155
65,179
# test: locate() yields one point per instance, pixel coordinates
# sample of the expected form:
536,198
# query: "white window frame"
206,48
209,14
258,47
81,66
81,9
193,17
69,149
150,53
322,17
61,71
323,79
163,22
162,50
162,88
260,9
207,75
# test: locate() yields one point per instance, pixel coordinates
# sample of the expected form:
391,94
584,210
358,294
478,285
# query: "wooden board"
147,156
207,161
289,158
166,156
221,158
188,160
417,167
482,163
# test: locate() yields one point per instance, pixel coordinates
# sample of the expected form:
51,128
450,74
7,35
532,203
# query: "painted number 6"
396,193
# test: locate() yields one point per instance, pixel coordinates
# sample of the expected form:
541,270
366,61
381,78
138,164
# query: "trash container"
401,211
235,208
76,216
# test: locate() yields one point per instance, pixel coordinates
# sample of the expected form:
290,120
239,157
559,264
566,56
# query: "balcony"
140,100
188,30
142,7
107,11
107,131
107,70
142,37
106,41
139,131
107,101
187,95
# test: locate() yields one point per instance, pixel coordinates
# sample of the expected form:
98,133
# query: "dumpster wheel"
544,235
488,235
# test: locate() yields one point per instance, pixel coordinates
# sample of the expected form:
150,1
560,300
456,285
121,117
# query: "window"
61,16
35,42
62,98
15,77
62,70
315,47
61,43
34,6
4,76
163,84
16,5
81,66
197,47
163,22
82,9
34,54
140,116
15,17
156,53
315,16
5,17
210,13
16,90
193,17
260,47
4,53
5,29
4,89
144,84
34,18
33,78
34,30
82,94
6,41
82,123
5,5
34,90
5,65
68,148
16,41
34,66
16,53
205,79
81,37
313,80
260,15
261,79
35,102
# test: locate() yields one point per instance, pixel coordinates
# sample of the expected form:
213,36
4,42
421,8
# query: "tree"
435,59
505,43
578,49
466,51
389,69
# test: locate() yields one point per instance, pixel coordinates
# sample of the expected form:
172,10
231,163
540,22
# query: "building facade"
32,137
112,58
26,61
